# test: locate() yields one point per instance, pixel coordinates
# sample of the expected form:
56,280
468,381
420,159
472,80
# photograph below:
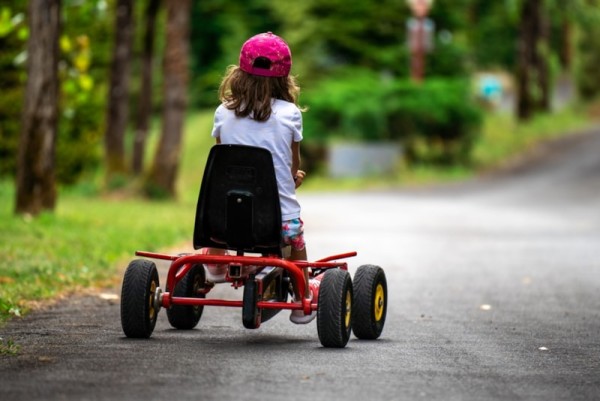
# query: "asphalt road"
493,295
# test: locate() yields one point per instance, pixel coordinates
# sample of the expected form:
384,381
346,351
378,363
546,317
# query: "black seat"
238,206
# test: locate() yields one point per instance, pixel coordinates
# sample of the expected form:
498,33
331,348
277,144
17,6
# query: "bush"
78,146
11,103
436,121
588,83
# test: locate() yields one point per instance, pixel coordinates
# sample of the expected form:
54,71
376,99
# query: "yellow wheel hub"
348,316
151,310
378,305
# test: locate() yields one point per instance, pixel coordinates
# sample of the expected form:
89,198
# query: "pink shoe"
214,272
297,316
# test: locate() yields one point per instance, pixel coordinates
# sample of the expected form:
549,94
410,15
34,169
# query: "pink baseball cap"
267,55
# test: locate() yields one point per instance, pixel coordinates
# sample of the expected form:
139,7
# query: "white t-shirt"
276,134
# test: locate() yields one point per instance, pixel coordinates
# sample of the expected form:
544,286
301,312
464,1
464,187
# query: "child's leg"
214,251
298,254
293,234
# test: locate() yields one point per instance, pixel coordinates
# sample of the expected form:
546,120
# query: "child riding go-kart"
238,210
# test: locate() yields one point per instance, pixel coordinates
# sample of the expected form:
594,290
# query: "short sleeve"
218,122
296,124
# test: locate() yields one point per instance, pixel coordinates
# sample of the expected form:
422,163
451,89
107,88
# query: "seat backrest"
238,205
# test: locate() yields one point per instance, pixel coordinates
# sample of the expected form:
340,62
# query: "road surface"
494,294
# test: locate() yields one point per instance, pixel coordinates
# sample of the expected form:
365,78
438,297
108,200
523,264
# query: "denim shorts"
292,233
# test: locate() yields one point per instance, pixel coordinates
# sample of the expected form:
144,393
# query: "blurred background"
416,78
108,103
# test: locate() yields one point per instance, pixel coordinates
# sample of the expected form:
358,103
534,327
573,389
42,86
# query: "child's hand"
299,177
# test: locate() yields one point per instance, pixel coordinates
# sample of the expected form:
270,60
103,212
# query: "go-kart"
238,211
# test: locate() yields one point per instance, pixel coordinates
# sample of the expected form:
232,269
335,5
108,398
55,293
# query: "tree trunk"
36,186
118,96
145,100
542,62
565,56
533,82
176,59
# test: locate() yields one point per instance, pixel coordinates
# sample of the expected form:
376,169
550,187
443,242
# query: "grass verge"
503,137
81,245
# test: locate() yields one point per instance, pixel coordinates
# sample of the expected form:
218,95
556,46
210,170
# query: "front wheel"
138,299
334,309
370,302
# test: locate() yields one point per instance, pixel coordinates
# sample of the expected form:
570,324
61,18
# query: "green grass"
82,244
502,137
92,235
9,347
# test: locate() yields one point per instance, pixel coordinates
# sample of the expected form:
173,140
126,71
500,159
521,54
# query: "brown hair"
251,95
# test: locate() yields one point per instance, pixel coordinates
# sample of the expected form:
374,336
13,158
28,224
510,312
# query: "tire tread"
332,294
365,280
134,302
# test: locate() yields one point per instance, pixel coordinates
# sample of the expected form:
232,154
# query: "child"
260,108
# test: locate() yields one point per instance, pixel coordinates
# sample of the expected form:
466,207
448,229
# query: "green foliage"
83,71
83,68
80,133
493,33
588,80
348,106
436,121
218,29
13,33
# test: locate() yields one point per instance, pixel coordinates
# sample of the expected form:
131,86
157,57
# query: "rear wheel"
370,302
186,317
334,309
139,308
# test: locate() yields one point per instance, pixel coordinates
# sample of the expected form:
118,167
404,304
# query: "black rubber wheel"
186,317
250,312
334,310
274,289
369,303
138,310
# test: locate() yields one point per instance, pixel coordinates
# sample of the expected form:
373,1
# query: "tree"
162,177
327,34
145,100
492,32
36,187
533,81
588,49
118,96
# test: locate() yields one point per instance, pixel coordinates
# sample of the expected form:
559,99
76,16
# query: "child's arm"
296,172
